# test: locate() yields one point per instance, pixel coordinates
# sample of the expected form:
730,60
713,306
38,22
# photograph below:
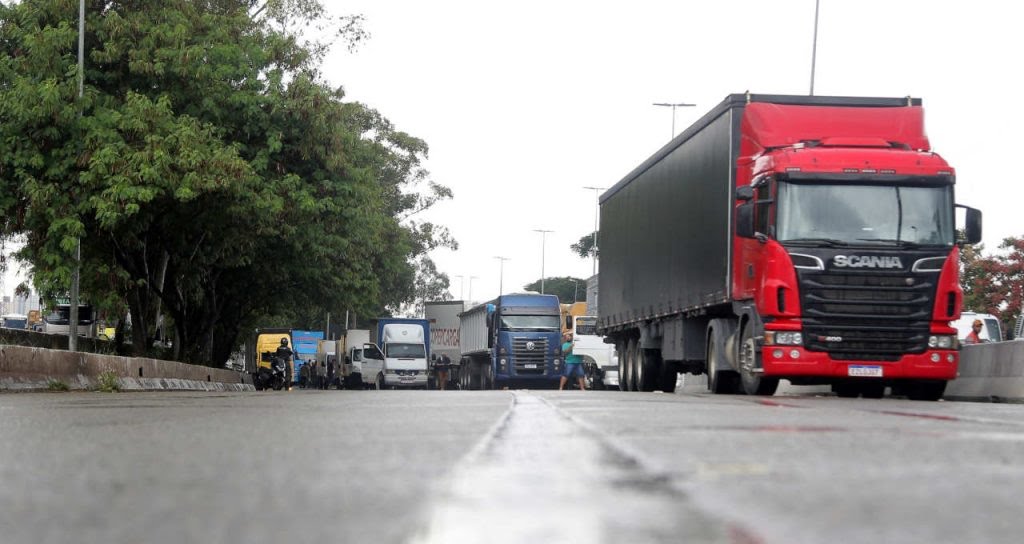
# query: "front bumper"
397,380
785,361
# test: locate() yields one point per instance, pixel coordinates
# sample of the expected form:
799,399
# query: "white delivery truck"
405,345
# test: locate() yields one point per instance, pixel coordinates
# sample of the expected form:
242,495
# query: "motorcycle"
272,377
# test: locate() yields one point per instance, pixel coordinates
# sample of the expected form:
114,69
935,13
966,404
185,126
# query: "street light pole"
76,271
471,278
674,106
543,239
597,209
460,284
501,275
814,46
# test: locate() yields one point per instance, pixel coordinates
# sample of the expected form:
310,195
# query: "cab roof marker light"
945,173
792,168
850,170
869,171
887,171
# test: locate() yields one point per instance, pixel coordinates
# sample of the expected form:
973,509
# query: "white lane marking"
540,477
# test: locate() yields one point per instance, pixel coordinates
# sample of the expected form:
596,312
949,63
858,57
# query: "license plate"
865,371
405,378
531,365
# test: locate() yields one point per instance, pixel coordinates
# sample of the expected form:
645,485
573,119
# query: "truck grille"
525,358
870,315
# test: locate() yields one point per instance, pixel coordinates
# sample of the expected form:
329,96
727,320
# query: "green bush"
109,382
57,385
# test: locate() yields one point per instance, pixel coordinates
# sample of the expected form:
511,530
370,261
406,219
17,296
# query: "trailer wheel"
754,383
721,380
620,350
647,366
631,355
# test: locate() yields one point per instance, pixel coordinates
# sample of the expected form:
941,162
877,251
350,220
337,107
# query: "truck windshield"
406,351
859,214
532,322
586,326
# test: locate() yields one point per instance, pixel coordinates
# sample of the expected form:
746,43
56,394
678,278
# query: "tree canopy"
567,288
211,173
994,284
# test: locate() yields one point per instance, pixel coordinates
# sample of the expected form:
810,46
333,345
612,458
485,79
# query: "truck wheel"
667,376
647,369
721,380
620,350
754,383
631,350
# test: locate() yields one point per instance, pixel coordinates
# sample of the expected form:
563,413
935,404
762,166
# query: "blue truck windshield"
531,322
859,214
407,351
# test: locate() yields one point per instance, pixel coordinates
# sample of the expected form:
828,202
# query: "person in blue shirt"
573,364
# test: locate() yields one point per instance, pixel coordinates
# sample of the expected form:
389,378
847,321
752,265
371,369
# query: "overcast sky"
525,103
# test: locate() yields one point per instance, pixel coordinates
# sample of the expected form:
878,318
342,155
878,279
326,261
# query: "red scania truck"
806,238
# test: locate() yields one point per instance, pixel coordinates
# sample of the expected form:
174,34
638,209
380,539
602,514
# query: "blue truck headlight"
502,363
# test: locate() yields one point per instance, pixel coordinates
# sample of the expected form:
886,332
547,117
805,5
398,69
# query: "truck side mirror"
745,219
972,224
568,322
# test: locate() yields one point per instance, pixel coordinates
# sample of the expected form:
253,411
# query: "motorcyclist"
285,354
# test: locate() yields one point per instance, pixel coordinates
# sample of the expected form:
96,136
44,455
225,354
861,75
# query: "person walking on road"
441,366
573,364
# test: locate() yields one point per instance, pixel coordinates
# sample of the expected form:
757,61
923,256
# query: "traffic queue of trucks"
806,238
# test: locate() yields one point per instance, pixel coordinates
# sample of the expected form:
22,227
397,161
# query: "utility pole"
543,239
814,46
501,275
76,270
597,210
674,106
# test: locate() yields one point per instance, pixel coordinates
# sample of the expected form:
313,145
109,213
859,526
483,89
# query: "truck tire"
620,350
646,369
722,380
631,355
667,376
749,358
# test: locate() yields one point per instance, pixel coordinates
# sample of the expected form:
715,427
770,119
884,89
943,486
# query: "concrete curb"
33,369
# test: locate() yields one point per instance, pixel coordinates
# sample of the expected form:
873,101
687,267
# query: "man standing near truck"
573,364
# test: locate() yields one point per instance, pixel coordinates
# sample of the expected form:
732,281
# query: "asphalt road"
505,466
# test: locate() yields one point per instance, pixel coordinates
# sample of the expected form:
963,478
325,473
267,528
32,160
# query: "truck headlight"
783,338
501,364
942,341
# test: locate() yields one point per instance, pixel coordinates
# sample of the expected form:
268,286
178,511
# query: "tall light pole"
597,209
76,271
460,285
814,46
501,275
470,298
674,106
543,239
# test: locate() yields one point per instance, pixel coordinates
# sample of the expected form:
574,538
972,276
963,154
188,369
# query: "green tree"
995,284
568,288
586,247
211,174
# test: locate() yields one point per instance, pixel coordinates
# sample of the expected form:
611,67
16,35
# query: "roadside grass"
108,382
57,385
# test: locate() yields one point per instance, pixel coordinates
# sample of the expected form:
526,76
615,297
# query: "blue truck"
513,340
304,345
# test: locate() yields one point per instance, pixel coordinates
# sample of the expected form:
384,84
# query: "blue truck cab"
514,340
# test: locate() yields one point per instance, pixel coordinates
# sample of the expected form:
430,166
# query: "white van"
991,332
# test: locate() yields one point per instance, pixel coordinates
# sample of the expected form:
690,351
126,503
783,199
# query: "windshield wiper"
898,243
825,241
